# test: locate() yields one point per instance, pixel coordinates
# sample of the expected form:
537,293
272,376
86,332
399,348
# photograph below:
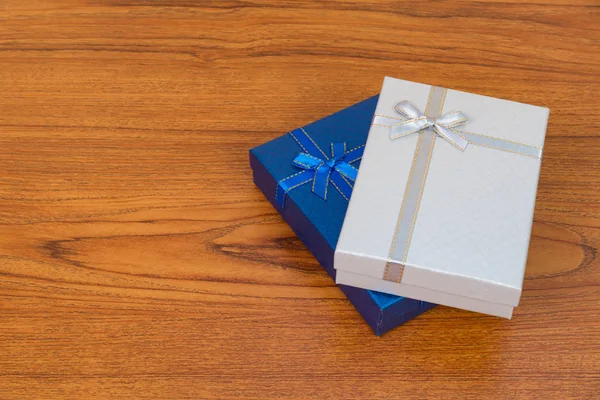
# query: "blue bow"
320,169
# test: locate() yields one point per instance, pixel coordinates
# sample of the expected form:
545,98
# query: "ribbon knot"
324,168
331,163
320,169
417,121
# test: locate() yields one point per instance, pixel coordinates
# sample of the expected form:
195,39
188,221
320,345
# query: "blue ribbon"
318,168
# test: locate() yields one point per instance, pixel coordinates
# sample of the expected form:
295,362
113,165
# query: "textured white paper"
471,237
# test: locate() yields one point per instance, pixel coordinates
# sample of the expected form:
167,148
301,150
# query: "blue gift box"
296,184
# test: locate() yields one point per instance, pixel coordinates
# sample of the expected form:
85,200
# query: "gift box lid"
443,205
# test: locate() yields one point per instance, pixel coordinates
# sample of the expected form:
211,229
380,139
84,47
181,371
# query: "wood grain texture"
138,261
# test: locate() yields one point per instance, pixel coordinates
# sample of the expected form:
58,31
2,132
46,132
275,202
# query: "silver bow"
416,121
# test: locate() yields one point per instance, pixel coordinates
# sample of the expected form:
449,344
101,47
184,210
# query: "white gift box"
442,209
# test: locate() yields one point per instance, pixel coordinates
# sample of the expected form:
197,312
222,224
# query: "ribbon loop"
306,161
452,119
417,121
320,169
408,127
407,110
347,171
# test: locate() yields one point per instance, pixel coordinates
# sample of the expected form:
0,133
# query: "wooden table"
138,260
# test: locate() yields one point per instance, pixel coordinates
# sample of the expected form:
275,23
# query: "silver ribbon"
429,126
414,121
417,121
